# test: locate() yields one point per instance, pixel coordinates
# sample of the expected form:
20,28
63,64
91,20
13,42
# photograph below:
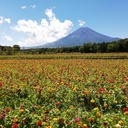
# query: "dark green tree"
16,48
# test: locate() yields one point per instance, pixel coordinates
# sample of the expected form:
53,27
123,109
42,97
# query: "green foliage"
8,50
16,47
115,46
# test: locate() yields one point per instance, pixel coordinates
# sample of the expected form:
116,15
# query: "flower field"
63,93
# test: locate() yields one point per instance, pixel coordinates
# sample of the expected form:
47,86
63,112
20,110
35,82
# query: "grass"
69,56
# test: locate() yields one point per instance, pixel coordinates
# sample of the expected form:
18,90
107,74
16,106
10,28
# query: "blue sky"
36,22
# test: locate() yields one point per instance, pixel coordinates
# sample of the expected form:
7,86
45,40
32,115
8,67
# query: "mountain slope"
79,37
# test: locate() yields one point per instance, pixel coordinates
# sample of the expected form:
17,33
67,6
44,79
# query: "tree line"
114,46
104,47
8,50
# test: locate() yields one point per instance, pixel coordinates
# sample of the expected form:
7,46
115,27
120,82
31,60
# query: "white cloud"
44,32
33,6
8,38
50,14
23,7
2,20
81,23
26,7
8,20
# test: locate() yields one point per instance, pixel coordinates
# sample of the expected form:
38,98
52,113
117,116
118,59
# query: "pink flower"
3,115
77,119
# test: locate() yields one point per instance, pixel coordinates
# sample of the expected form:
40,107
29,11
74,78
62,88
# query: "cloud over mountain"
81,23
48,30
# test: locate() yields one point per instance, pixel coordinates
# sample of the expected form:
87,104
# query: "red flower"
46,111
125,109
105,123
40,89
60,121
102,90
39,123
1,84
91,120
57,103
7,109
124,90
15,125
